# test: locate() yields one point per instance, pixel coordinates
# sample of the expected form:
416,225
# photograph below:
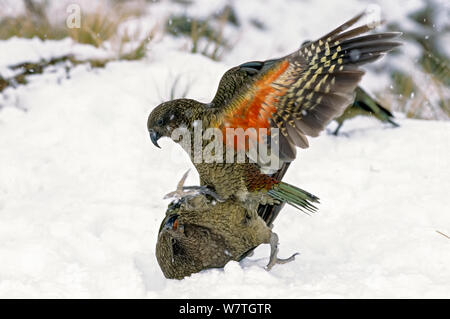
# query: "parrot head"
171,236
179,245
168,116
172,248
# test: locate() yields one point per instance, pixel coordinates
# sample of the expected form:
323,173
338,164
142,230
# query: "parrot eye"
160,122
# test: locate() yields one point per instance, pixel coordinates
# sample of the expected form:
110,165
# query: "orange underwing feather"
256,108
300,93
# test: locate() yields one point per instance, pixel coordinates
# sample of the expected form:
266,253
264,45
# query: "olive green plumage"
208,234
237,201
298,94
365,105
228,180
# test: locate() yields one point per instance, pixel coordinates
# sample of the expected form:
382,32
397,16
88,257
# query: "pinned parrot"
199,232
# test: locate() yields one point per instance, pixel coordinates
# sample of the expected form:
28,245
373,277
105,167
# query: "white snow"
81,185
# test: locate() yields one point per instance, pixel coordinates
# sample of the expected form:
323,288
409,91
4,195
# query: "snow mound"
81,189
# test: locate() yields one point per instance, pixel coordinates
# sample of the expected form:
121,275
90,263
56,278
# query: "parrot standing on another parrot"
298,94
199,232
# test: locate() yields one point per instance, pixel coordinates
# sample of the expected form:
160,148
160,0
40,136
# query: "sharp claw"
204,190
274,252
185,191
286,260
179,192
280,261
182,180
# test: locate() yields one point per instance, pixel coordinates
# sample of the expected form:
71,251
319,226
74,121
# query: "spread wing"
300,93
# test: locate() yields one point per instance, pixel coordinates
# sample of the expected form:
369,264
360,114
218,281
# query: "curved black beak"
154,136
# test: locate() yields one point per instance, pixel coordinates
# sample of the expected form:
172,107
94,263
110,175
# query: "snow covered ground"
81,189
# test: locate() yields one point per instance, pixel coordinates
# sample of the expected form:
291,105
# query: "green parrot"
201,232
291,97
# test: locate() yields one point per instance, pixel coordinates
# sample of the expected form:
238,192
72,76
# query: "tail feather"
294,196
393,123
367,103
270,212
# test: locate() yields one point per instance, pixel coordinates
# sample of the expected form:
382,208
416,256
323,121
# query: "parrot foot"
336,131
202,190
182,192
274,252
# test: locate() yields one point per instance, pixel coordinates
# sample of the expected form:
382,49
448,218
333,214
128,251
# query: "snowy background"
81,185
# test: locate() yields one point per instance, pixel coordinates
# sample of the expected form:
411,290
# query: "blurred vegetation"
411,94
103,27
33,23
23,70
97,27
178,90
206,35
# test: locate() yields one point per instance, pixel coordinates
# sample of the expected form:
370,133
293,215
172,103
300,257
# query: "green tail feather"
393,123
364,101
294,196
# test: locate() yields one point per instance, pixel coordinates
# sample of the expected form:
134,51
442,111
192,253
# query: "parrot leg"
190,191
204,190
336,131
274,252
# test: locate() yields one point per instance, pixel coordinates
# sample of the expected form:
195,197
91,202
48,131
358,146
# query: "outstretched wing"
301,93
237,78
